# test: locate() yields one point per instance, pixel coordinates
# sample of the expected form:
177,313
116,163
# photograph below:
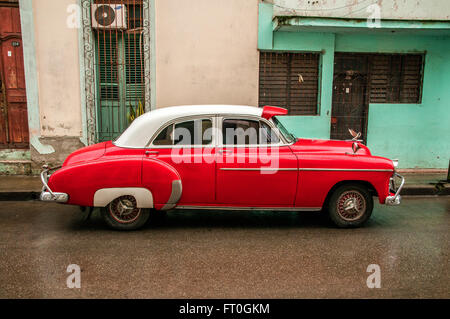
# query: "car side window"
247,132
267,135
165,137
194,132
240,132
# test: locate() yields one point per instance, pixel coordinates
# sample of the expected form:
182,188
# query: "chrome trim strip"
175,196
347,169
257,169
296,209
303,169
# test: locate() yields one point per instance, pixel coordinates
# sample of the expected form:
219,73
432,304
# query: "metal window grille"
120,70
290,80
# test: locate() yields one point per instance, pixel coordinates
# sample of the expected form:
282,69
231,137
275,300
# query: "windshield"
287,135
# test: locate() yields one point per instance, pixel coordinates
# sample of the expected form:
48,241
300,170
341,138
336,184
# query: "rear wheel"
123,214
350,205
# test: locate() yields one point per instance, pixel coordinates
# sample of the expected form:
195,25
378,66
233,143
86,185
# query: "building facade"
379,67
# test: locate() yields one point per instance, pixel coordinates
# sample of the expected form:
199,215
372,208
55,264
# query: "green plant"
133,114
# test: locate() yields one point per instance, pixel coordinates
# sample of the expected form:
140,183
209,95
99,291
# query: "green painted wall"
265,13
417,134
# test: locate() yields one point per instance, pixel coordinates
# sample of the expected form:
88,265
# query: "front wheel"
123,214
350,205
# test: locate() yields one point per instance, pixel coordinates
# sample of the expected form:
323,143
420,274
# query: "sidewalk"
20,188
425,184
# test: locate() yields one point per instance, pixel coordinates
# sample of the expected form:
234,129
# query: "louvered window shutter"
395,78
134,69
289,80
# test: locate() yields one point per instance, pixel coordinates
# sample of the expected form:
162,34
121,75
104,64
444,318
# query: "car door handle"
151,153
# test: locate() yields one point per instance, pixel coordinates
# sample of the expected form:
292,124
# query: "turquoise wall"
417,134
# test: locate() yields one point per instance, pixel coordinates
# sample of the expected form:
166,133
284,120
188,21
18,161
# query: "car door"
187,145
254,167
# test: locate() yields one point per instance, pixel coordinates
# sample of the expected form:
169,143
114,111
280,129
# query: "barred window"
290,80
395,78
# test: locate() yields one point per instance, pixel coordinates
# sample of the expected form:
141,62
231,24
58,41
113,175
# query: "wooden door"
13,103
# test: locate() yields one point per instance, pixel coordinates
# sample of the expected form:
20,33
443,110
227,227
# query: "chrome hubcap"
124,210
351,205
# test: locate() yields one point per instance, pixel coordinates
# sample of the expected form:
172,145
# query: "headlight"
395,162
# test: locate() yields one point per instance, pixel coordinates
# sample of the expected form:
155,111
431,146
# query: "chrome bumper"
47,195
396,199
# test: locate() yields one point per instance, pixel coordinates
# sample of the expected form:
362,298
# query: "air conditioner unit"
109,16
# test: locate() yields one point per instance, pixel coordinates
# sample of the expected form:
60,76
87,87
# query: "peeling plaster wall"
63,145
56,77
206,52
57,69
360,9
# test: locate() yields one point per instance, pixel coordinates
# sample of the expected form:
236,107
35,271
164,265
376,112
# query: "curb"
419,190
19,196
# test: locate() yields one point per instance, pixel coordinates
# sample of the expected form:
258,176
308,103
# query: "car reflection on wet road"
226,254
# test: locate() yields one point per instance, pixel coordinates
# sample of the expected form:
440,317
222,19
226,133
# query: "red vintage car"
222,157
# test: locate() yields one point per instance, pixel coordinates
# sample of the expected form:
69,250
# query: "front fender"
320,173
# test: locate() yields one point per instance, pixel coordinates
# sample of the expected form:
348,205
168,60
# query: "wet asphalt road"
209,254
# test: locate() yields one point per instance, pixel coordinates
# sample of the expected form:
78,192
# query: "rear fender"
82,181
164,181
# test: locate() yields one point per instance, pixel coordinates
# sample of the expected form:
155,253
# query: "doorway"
350,100
13,103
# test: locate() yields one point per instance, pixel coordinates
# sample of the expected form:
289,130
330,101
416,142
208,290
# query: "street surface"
226,254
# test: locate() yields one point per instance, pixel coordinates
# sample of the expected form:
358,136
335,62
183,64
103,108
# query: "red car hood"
327,147
88,153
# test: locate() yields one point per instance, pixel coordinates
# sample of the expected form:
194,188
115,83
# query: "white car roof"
138,134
